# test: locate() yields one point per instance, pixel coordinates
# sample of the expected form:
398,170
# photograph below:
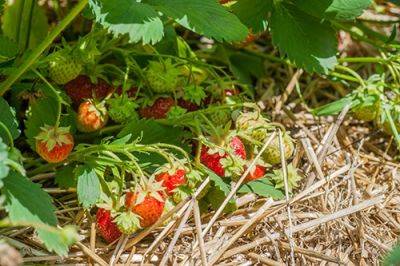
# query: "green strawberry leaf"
216,196
333,9
88,186
136,19
29,31
253,13
8,119
8,50
246,66
218,181
26,203
65,177
4,169
306,40
393,258
205,17
42,112
262,187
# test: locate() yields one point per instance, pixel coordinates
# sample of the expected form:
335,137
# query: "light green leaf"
25,22
205,17
88,187
7,117
4,169
27,203
138,20
333,9
42,112
307,41
253,13
262,187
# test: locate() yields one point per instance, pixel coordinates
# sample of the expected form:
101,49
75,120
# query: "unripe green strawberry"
292,177
215,197
63,68
128,222
163,77
366,113
272,153
122,110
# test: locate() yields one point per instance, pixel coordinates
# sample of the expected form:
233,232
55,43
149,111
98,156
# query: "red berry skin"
212,161
58,154
257,173
82,88
188,105
90,120
107,228
131,92
170,182
158,110
149,210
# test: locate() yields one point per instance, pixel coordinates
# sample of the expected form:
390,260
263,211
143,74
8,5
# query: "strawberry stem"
32,58
57,96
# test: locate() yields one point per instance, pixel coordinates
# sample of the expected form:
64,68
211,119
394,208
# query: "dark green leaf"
138,20
88,187
253,13
393,258
27,203
307,41
8,49
262,187
42,112
245,66
4,169
333,9
7,117
218,182
65,177
25,22
205,17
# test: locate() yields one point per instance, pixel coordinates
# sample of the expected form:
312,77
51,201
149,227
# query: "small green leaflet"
42,112
253,13
138,20
7,118
217,180
88,187
26,203
333,9
4,169
262,187
307,41
205,17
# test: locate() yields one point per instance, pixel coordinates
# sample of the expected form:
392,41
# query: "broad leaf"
307,41
27,203
7,118
205,17
138,20
42,112
88,187
245,66
65,177
218,182
25,22
253,13
333,9
262,187
8,49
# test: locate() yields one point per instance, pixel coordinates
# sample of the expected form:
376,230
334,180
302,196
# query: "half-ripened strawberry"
54,144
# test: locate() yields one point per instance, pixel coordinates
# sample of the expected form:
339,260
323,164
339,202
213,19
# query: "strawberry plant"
117,117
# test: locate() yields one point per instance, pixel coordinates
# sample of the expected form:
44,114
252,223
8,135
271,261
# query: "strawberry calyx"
54,136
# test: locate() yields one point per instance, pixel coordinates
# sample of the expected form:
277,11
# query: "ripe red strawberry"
148,206
54,144
159,109
107,228
213,159
257,172
188,105
81,88
131,92
172,180
91,116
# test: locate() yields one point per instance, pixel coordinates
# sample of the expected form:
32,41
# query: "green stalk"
362,60
9,136
393,127
42,47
